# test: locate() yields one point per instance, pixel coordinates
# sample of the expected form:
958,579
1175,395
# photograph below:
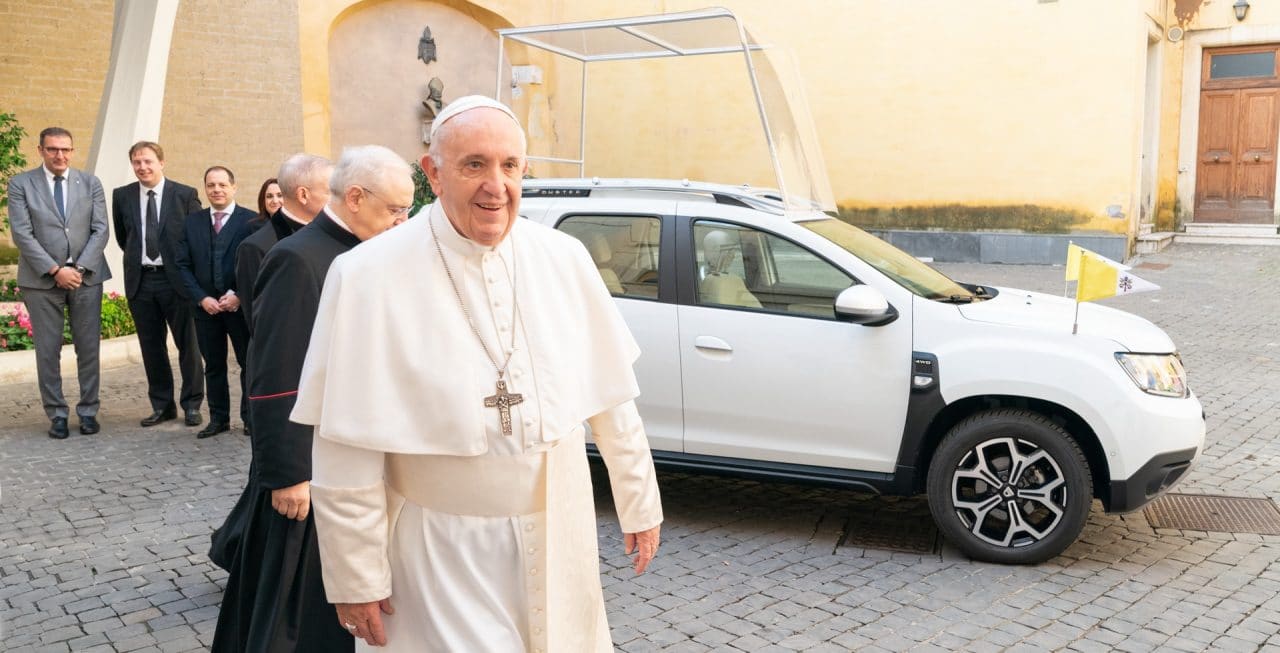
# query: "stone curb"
20,366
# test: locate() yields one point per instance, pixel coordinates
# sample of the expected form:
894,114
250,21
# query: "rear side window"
624,249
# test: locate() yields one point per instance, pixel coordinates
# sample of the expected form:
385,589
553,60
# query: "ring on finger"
350,627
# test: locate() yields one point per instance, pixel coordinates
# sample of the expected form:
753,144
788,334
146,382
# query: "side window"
746,268
624,248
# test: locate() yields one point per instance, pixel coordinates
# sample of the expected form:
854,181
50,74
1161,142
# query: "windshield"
894,263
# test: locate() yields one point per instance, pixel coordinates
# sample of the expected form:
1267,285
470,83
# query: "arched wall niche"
377,84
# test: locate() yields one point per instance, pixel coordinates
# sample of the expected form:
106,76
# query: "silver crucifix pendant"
503,401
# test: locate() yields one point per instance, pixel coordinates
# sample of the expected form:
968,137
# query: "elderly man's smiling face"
477,178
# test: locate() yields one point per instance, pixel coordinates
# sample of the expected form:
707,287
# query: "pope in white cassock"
451,367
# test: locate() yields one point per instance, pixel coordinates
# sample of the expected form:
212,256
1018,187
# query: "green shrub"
116,319
15,324
422,194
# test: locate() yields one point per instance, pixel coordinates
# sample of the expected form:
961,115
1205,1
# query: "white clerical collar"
293,218
465,247
336,220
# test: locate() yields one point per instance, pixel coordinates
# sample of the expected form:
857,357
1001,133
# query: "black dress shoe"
193,417
247,433
89,425
213,429
159,416
58,428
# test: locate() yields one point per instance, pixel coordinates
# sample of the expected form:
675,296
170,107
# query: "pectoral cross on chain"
503,401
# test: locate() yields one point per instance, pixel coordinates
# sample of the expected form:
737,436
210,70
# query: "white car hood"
1033,310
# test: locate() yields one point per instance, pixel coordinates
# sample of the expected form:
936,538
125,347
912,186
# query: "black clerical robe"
275,599
252,251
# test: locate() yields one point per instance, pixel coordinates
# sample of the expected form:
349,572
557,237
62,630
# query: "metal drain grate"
893,530
1196,512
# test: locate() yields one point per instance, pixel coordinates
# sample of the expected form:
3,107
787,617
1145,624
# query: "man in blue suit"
59,220
206,257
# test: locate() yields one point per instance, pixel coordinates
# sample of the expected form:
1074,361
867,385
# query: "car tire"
1009,486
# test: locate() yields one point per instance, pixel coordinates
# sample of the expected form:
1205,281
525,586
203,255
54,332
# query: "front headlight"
1158,374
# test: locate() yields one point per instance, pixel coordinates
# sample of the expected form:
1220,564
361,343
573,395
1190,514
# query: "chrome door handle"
711,342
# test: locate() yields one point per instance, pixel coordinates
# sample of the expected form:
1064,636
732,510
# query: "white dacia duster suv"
796,347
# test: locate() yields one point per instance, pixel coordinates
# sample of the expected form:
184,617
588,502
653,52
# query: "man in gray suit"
59,219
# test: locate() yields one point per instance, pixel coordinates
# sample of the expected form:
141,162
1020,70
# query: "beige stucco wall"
377,83
936,102
232,89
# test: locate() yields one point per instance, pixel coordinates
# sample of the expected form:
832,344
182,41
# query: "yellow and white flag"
1100,277
1074,252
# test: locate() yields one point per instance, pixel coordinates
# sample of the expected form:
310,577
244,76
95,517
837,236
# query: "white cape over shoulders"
426,358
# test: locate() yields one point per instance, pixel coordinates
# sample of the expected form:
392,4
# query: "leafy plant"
12,161
422,194
9,291
116,318
16,333
15,330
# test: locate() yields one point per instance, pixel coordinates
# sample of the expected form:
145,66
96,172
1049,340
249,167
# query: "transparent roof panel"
691,32
772,88
595,44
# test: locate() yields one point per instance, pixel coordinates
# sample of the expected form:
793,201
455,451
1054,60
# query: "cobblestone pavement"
103,538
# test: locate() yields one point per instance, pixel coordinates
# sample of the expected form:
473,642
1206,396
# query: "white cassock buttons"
515,372
528,421
532,550
537,630
528,527
533,572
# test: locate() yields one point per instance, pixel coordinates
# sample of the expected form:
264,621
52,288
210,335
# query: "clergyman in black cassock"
253,251
304,182
274,599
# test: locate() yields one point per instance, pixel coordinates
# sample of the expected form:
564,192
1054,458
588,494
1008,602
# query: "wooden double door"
1239,130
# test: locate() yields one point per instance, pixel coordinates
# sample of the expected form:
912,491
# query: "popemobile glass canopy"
788,130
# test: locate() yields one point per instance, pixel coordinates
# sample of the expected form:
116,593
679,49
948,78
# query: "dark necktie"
217,221
58,200
153,227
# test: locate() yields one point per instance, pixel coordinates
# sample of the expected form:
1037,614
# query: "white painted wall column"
132,98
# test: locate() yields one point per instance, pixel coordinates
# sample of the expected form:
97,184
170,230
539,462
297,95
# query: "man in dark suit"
148,216
304,181
59,221
206,257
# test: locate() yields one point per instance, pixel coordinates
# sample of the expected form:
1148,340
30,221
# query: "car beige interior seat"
602,254
721,286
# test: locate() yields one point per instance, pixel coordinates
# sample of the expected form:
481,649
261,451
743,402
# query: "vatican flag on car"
1101,277
1075,252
